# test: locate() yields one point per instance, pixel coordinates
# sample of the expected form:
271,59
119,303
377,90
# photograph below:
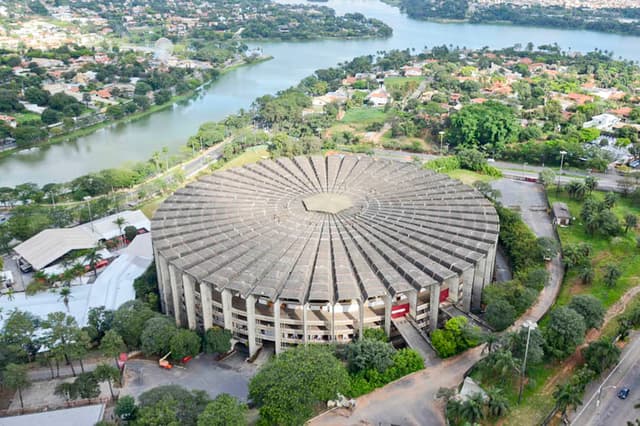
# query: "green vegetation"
457,336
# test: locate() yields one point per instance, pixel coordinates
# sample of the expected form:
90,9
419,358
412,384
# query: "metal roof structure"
385,228
51,244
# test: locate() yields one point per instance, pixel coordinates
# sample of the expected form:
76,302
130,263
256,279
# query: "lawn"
149,207
249,156
619,250
364,116
391,83
468,177
23,117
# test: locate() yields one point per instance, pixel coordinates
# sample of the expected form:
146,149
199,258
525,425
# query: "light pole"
562,154
441,133
87,198
529,325
524,165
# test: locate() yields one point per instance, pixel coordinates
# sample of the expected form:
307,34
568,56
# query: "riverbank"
85,131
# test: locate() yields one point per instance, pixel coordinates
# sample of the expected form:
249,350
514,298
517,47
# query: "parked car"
623,393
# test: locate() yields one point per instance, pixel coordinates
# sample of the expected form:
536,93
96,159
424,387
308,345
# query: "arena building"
314,249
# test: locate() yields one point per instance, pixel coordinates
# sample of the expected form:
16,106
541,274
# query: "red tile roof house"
9,120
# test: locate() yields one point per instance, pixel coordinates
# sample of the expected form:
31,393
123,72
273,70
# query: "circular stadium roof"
324,229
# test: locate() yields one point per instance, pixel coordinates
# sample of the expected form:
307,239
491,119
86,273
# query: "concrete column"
165,294
413,303
489,267
206,300
454,287
226,309
305,310
332,322
434,306
251,324
161,282
276,326
478,284
387,315
177,308
361,305
467,287
189,300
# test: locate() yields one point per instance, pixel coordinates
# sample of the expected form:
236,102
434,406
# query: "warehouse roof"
316,229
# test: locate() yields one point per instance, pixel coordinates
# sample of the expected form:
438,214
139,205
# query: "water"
126,143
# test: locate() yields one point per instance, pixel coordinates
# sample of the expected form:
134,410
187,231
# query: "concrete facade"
238,249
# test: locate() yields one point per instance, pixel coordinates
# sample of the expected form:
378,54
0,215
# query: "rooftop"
320,229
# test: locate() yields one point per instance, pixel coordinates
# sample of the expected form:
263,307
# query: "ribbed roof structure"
387,227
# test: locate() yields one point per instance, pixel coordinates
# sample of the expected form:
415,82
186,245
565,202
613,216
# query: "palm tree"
472,409
611,275
498,404
491,339
93,258
577,189
107,373
586,274
630,221
65,295
120,221
591,183
566,396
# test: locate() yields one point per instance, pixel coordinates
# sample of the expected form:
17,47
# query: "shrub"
535,278
443,164
217,340
369,354
590,308
564,332
157,333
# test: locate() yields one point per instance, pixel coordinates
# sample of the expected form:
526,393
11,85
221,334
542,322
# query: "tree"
611,275
564,332
577,189
375,334
630,222
99,321
93,258
129,321
63,337
66,390
162,97
498,404
158,332
130,232
185,343
500,314
548,247
566,396
87,385
225,410
289,386
517,344
600,355
591,183
610,199
590,308
15,377
112,345
366,354
473,409
126,408
217,340
547,177
19,336
119,222
65,295
586,274
107,373
173,404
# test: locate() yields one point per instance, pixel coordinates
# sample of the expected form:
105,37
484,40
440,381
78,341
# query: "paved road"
614,411
411,400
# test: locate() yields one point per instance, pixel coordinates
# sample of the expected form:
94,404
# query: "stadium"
315,249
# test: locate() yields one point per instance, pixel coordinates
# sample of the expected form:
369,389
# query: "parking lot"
203,373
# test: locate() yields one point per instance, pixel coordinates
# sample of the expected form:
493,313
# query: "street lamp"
87,198
529,325
524,165
441,133
562,153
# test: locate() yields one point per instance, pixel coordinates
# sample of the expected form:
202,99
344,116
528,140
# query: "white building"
603,122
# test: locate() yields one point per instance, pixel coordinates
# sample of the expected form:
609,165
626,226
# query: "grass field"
149,207
391,83
468,177
619,250
22,117
364,115
252,156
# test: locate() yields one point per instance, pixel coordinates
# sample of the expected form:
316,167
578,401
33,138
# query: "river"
135,141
